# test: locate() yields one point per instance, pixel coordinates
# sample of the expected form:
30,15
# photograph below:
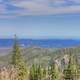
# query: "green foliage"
78,72
41,72
53,72
37,73
33,73
71,71
18,61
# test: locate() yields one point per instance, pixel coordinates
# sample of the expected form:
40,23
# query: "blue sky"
40,18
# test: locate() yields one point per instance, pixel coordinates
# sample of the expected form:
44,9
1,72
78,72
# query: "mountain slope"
33,55
41,55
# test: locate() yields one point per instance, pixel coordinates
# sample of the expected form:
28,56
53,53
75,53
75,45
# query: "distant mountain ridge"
45,43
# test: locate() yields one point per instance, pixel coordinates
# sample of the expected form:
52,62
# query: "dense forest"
64,67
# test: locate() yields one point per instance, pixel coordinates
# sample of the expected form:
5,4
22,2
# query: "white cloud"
32,6
35,7
2,8
76,1
58,2
38,7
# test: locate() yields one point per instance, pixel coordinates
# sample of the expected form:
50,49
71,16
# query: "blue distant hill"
46,43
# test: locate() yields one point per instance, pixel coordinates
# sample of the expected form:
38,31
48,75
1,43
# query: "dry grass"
8,73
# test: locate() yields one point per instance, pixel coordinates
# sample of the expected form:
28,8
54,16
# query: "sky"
40,18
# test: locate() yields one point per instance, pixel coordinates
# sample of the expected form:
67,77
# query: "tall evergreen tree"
33,73
41,73
37,72
71,69
18,61
54,72
78,72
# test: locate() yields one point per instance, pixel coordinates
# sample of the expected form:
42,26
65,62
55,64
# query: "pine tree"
33,73
78,72
41,72
53,72
37,72
18,61
71,69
